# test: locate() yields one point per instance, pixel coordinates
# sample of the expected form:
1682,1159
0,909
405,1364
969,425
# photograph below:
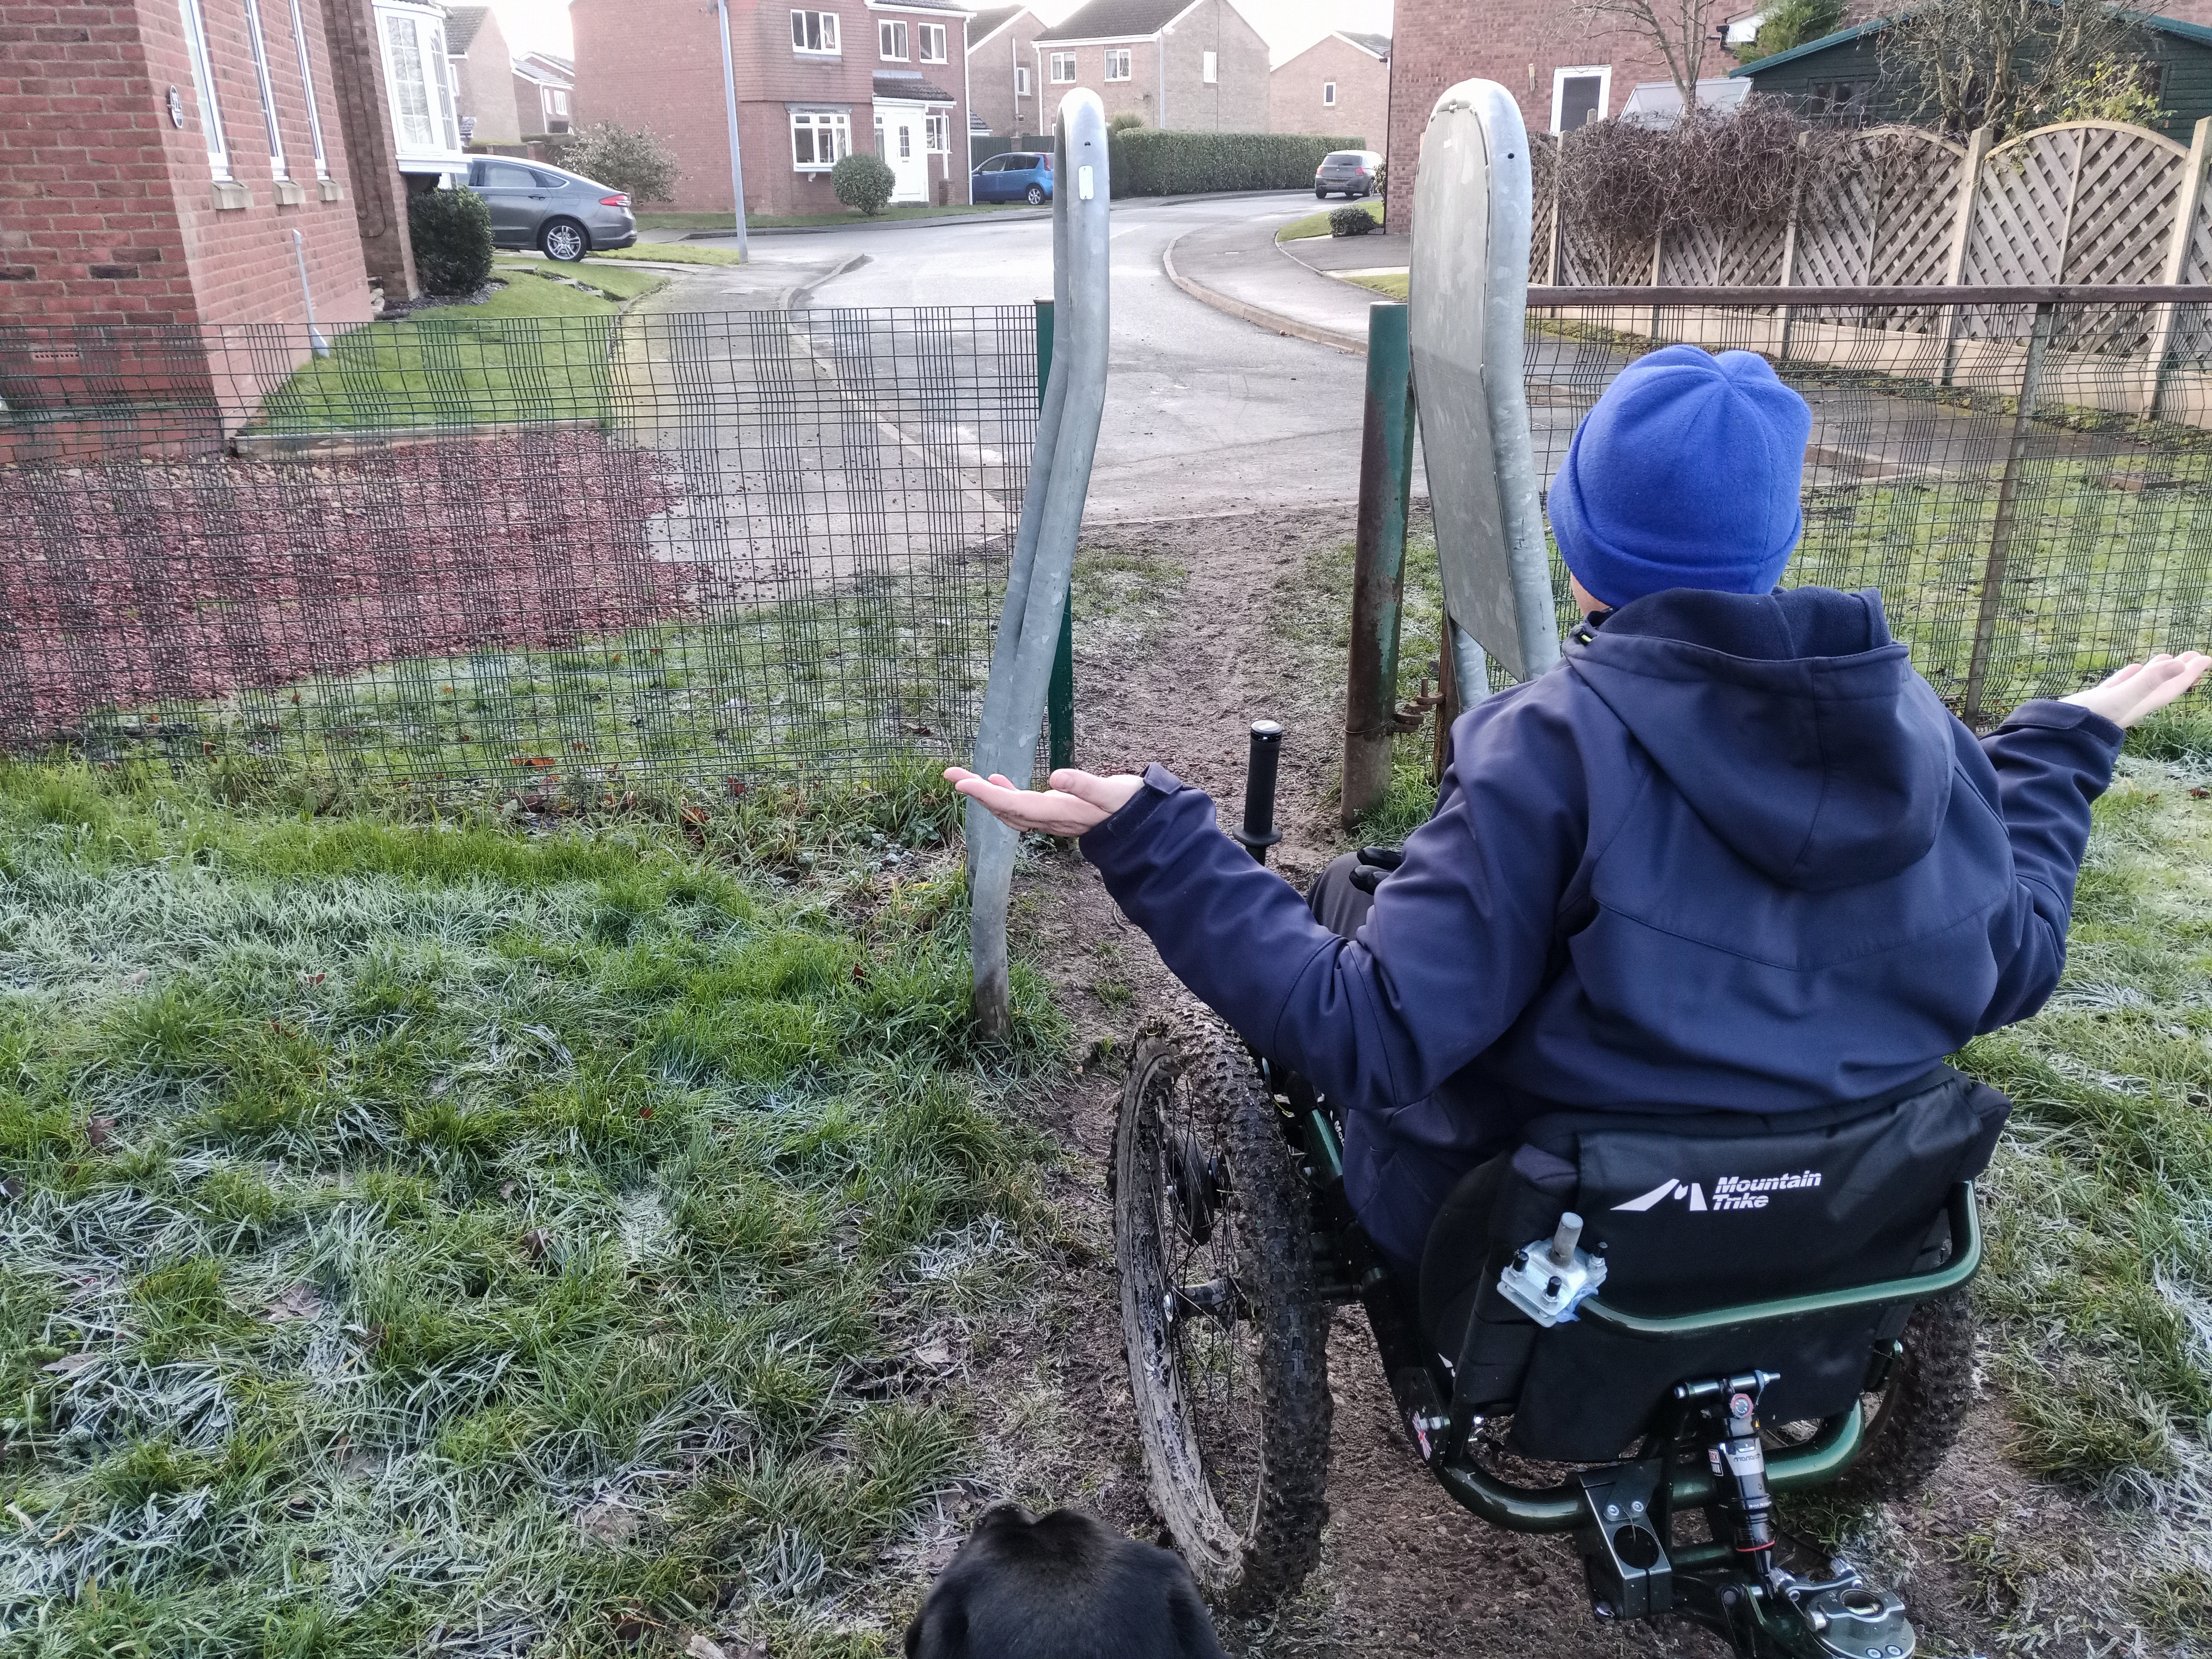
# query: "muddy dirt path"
1176,677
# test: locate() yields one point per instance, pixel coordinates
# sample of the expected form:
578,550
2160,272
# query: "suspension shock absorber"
1739,1463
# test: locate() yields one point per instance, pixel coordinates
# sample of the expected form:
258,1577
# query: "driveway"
1205,413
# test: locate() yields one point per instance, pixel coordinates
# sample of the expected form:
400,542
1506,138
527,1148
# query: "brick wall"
1517,43
1363,93
991,79
659,63
111,212
1236,99
364,115
1139,95
486,75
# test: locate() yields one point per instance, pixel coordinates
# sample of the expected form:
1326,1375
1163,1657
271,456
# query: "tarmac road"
1205,413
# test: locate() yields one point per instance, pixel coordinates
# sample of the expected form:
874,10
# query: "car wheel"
1035,196
1320,195
564,239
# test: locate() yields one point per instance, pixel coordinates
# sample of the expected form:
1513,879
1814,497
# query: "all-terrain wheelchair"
1684,1316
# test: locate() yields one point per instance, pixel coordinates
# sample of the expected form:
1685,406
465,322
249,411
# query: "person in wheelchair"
1732,854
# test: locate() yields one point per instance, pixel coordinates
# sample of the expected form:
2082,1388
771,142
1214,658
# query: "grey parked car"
563,214
1351,170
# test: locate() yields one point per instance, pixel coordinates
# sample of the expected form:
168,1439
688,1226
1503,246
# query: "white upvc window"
421,90
556,104
1328,94
1021,80
307,85
891,41
820,140
933,42
1580,94
937,128
195,48
1209,67
265,86
814,32
1117,64
1063,69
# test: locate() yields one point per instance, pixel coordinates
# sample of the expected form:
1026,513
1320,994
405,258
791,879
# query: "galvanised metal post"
1060,695
1378,575
1029,626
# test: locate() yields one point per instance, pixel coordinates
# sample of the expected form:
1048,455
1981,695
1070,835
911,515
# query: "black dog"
1061,1587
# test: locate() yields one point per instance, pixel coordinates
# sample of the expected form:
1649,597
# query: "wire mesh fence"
2032,499
553,554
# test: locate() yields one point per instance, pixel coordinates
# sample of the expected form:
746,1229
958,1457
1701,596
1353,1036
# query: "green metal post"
1060,690
1378,578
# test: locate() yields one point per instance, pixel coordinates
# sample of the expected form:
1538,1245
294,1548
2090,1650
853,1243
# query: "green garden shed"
1839,77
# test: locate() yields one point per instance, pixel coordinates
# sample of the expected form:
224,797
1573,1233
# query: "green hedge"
1149,163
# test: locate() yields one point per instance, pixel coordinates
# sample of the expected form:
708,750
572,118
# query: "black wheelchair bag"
1694,1212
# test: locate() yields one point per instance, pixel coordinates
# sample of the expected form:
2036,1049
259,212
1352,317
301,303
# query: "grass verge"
440,1231
673,253
1317,224
539,348
1391,285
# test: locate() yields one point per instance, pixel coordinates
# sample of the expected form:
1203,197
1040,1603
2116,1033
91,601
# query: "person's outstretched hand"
2143,688
1076,801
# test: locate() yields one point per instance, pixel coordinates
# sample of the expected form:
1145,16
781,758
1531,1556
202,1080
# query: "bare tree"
2013,64
1680,28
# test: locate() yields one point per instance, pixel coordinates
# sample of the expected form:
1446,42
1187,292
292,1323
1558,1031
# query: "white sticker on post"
1082,184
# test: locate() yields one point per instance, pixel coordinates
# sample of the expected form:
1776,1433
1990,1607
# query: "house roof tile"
462,24
1378,45
984,24
1116,20
891,83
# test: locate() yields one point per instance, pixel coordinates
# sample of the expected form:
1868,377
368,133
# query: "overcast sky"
1290,26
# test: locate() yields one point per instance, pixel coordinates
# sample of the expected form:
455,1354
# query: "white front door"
905,147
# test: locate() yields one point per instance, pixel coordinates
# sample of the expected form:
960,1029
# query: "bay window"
819,139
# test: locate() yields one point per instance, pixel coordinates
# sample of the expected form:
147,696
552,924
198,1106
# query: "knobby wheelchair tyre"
1211,1215
1917,1420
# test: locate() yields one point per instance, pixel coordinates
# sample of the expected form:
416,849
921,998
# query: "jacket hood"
1792,725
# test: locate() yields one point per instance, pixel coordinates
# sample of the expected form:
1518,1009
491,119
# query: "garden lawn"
1317,224
537,349
434,1233
1391,285
674,253
840,216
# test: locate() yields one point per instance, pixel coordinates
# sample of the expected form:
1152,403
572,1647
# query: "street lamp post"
729,98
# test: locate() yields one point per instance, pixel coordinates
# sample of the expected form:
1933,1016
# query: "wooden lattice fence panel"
1884,211
1590,260
1544,180
2020,209
2126,193
1698,256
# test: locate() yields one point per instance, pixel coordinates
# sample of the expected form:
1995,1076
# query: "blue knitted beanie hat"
1685,474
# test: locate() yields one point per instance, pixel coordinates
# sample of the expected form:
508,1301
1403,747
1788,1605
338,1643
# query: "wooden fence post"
1789,276
1378,574
1954,267
2189,197
1559,236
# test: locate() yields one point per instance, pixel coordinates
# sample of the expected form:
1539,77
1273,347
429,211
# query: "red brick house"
545,94
1187,66
484,75
813,82
157,157
1339,85
1563,66
1002,90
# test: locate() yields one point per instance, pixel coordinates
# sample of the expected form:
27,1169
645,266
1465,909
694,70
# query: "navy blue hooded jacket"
1732,853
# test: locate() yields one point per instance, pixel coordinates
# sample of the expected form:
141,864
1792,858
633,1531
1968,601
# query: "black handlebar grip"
1259,833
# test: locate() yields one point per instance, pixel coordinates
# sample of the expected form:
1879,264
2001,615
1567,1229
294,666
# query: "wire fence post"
1031,624
1059,694
1993,570
1378,577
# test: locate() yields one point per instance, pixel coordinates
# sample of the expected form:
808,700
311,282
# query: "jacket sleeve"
1456,945
2053,759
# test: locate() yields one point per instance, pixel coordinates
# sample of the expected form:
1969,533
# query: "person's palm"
2143,688
1077,801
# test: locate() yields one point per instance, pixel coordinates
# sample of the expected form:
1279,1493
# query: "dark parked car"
1018,176
1351,170
564,214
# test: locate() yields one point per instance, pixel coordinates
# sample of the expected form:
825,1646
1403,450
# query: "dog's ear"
1001,1516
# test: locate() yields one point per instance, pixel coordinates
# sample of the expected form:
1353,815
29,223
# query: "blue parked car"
1018,176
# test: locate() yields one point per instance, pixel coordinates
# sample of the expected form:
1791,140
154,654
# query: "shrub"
864,182
635,163
451,233
1145,162
1128,121
1352,221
